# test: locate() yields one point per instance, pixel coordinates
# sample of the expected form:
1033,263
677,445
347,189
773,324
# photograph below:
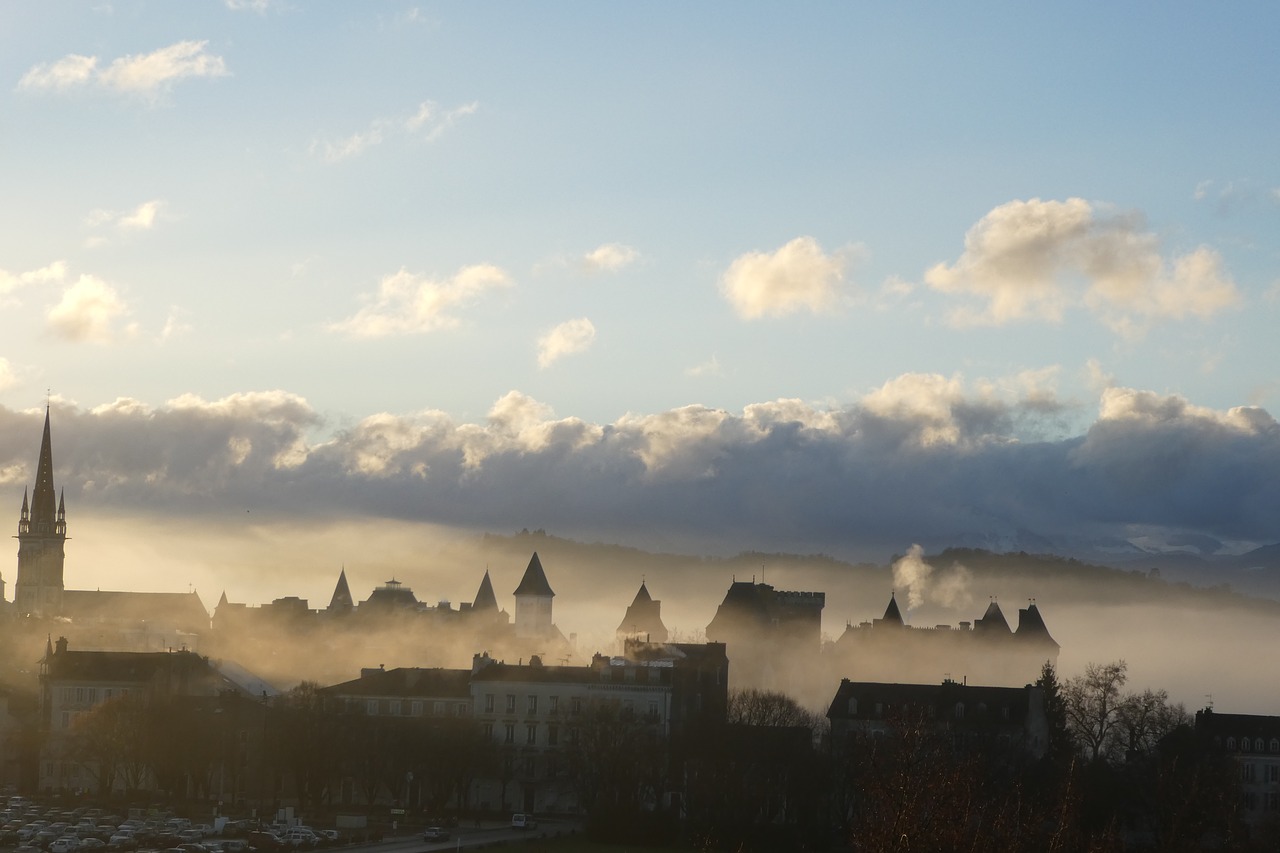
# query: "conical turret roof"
342,593
892,613
993,619
534,581
1031,625
485,600
642,595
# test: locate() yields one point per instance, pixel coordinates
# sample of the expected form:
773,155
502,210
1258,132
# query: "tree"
1144,718
107,741
1092,705
1061,746
754,707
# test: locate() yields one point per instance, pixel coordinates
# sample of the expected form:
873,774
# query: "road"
464,837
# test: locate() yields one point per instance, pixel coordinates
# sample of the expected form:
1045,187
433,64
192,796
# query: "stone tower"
42,532
533,602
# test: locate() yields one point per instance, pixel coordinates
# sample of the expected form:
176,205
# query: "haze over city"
308,286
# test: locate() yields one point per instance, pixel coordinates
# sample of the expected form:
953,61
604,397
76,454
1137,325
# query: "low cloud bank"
923,459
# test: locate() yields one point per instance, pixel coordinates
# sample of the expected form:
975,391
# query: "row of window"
415,708
89,695
531,704
1254,745
1260,772
930,710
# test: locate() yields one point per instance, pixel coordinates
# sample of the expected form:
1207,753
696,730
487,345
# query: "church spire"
44,507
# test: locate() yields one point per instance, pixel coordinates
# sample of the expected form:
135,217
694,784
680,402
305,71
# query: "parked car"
65,844
435,833
523,821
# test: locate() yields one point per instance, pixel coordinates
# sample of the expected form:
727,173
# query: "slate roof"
408,682
485,600
534,581
180,609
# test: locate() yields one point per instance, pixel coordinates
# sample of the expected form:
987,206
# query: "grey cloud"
943,464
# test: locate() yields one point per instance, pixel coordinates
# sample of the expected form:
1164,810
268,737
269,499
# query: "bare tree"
1144,718
753,707
1093,703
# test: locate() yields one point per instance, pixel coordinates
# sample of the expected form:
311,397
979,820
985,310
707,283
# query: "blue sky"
711,276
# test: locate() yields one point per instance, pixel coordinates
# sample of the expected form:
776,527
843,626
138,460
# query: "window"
511,733
1275,744
555,705
553,735
437,709
371,707
853,706
531,733
576,705
1248,773
553,768
530,769
460,709
395,708
1231,744
1273,773
653,710
533,704
488,703
487,728
416,709
511,703
959,710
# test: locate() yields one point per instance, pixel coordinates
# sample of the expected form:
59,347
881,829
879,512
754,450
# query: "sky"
834,278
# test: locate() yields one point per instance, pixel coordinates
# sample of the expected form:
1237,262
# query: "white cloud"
710,367
54,272
141,218
569,337
87,311
8,378
174,325
1035,259
798,276
146,75
410,304
426,122
609,257
259,6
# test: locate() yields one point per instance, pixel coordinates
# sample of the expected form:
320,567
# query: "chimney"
61,645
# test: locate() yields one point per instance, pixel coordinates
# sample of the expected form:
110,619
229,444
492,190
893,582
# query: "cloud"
147,75
569,337
936,461
174,325
798,276
141,218
1032,260
258,6
609,257
407,304
921,584
426,122
87,311
54,272
8,378
710,367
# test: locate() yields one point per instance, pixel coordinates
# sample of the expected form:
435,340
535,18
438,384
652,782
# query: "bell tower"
42,532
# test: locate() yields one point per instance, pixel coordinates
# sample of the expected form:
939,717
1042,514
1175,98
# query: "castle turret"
42,532
341,602
643,619
533,602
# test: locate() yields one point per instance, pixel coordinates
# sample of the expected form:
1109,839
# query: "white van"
523,821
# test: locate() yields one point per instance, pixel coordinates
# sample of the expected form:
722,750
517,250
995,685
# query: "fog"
1196,643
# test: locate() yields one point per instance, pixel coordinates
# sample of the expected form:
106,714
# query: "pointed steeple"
222,601
485,601
534,581
341,599
892,615
44,506
993,620
1031,626
643,618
